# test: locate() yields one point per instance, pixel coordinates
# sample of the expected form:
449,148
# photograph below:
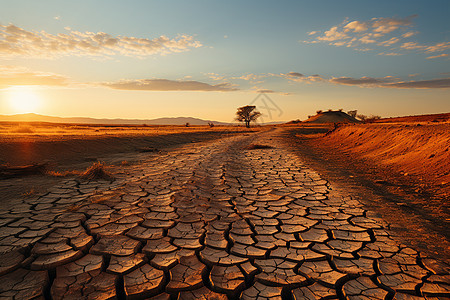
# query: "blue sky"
386,57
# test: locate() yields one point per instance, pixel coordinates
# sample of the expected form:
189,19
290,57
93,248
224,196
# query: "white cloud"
14,75
382,32
390,53
411,46
295,74
438,47
356,26
438,56
299,77
389,42
168,85
387,25
391,82
367,39
15,41
215,76
312,32
409,34
332,35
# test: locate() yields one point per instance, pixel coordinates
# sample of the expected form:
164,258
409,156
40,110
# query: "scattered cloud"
413,75
423,84
215,76
15,41
253,78
389,42
355,33
387,25
299,77
356,26
13,75
57,18
390,53
249,77
437,47
409,34
333,34
364,81
382,32
264,91
411,46
295,74
392,82
367,39
438,56
168,85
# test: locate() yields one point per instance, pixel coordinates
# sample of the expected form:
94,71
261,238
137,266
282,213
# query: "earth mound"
331,117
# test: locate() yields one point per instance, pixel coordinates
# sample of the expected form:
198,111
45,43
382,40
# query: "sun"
24,99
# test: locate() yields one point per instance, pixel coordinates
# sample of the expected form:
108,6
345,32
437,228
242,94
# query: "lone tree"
247,114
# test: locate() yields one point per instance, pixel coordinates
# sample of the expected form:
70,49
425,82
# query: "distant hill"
331,117
160,121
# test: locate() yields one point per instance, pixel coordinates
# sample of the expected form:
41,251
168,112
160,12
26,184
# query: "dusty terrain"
233,215
398,170
67,148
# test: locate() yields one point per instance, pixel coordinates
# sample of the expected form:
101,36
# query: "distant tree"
340,109
330,109
247,114
352,113
372,118
368,119
362,117
187,124
211,124
319,111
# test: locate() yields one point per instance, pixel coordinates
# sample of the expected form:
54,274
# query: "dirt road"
214,220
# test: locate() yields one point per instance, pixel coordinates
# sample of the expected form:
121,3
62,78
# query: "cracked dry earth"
209,221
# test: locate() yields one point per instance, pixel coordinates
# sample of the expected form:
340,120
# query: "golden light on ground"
23,99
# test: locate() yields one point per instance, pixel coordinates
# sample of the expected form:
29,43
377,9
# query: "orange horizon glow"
24,99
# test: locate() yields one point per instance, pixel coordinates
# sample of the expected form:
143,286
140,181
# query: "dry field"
67,145
221,213
69,149
400,169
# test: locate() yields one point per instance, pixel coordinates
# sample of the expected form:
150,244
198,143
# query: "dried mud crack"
209,221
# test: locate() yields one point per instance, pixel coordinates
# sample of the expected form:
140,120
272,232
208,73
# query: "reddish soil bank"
371,164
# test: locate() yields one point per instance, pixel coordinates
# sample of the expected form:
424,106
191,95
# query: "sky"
205,58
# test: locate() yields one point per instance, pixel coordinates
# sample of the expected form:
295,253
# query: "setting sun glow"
24,99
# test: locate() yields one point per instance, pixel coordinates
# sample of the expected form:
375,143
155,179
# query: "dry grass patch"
97,172
22,129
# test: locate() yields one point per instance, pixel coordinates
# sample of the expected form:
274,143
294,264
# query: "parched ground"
398,170
238,217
